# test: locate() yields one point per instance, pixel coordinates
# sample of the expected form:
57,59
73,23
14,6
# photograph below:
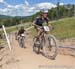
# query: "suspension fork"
42,36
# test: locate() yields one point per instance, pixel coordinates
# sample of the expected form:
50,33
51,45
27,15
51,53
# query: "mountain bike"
21,40
47,43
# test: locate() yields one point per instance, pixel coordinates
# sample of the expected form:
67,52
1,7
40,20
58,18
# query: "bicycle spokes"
50,47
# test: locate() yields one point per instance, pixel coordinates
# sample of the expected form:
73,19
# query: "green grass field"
14,28
63,28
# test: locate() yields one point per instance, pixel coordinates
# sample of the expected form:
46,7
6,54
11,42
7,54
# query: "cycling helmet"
44,11
22,27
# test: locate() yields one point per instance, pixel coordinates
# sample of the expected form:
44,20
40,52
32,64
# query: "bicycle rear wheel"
21,42
50,48
36,46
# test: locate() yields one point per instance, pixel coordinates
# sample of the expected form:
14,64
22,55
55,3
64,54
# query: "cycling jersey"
39,21
21,31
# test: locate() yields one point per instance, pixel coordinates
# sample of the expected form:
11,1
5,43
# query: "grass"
10,29
14,28
63,28
2,41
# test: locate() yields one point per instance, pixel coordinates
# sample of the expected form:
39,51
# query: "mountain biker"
21,31
38,23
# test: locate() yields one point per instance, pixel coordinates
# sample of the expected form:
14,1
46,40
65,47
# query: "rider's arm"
34,23
18,33
47,20
25,31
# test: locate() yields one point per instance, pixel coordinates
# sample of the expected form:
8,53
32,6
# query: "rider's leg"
39,31
42,33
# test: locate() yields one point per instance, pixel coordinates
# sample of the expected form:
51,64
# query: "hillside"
4,16
63,28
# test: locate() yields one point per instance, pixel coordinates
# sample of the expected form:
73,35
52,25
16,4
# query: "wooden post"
6,37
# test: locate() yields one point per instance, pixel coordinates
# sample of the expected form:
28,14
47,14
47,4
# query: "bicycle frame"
43,45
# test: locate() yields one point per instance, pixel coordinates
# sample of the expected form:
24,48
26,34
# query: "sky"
28,7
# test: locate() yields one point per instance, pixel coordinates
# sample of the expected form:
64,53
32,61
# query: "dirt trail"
20,58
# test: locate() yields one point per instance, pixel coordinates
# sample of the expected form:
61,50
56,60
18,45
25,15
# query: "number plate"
22,34
46,28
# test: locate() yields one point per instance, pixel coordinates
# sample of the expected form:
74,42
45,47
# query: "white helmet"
45,10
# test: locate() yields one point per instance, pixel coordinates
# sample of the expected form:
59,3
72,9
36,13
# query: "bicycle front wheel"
50,48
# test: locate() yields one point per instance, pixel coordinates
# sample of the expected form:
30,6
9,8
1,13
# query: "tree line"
53,14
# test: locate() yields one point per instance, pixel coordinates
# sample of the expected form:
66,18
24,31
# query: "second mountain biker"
21,33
